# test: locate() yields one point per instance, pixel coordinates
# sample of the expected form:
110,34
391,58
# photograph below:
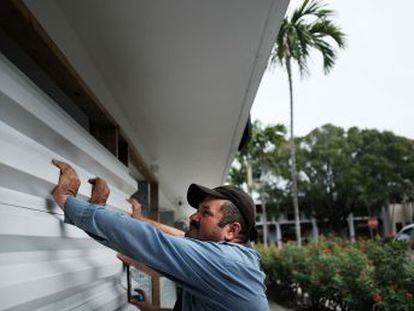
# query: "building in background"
278,230
150,95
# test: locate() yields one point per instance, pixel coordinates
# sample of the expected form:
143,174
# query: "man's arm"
137,214
68,186
195,265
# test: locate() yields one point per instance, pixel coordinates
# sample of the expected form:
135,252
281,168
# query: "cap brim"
197,193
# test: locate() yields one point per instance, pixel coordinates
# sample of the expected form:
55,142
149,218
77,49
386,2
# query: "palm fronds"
308,28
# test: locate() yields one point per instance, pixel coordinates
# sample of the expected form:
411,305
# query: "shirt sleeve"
195,265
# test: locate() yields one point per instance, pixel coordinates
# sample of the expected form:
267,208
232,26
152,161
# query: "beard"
192,232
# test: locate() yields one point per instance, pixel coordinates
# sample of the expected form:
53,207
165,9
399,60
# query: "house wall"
45,264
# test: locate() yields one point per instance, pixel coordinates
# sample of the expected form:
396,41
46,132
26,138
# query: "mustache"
194,224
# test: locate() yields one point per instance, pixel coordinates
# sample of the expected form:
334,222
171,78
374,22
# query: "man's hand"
68,184
144,305
100,191
136,208
137,214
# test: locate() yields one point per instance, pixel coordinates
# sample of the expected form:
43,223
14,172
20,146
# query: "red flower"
363,274
409,296
327,251
377,297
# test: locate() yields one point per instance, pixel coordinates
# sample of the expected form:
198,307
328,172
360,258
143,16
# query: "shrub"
367,275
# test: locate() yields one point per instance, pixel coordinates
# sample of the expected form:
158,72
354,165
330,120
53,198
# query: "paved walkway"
275,307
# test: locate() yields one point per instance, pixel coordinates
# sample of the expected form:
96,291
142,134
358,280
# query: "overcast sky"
372,84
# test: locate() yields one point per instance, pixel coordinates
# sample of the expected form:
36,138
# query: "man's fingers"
97,180
100,191
134,203
60,164
64,167
136,208
137,303
141,292
140,299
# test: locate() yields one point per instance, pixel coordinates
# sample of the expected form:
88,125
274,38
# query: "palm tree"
308,28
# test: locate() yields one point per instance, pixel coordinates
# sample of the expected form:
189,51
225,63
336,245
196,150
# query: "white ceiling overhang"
178,76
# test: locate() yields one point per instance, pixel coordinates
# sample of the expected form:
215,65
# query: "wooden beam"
156,294
140,163
154,215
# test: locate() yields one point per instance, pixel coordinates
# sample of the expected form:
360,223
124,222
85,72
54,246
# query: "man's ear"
232,231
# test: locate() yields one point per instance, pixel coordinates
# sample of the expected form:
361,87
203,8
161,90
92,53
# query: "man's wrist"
61,197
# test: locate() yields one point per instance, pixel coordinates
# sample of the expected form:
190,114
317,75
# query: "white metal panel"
169,297
44,263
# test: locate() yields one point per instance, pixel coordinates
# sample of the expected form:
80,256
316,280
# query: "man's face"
204,223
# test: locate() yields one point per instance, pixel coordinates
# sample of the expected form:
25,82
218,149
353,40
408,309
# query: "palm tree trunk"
249,176
293,157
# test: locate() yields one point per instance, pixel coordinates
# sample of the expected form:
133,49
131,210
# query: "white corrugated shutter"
45,264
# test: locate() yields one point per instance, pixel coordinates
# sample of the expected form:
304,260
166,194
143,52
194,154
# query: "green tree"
308,28
387,162
358,171
328,178
339,171
259,155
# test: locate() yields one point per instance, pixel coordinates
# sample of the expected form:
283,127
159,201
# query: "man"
211,264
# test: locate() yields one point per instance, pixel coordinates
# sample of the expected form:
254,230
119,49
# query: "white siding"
168,293
45,264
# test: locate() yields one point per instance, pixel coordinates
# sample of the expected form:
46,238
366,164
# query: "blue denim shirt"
214,276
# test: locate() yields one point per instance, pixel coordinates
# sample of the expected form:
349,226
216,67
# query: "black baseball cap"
243,202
